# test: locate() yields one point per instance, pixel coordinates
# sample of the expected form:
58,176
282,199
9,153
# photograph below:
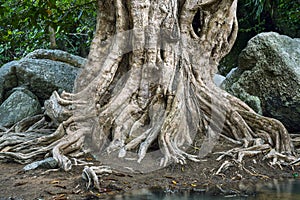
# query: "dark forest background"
26,25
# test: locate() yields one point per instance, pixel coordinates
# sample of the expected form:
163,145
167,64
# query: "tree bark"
149,79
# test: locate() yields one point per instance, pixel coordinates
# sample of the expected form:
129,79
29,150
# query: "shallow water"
165,195
287,190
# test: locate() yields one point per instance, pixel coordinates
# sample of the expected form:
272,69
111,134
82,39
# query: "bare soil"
199,177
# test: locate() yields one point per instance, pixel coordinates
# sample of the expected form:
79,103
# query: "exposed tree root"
151,89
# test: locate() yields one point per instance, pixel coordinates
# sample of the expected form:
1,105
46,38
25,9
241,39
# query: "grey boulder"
43,76
42,72
19,105
269,74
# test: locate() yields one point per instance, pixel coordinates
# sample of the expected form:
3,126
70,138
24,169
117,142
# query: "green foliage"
269,15
287,17
24,26
250,15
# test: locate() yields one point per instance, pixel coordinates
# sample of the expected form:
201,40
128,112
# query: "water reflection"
156,194
287,190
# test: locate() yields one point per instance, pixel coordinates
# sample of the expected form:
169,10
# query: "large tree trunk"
149,80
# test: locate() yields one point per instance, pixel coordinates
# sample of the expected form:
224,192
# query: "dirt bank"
199,177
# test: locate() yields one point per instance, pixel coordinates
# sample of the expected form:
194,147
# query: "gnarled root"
37,137
151,90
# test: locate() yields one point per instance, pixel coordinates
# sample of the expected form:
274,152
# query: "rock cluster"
27,83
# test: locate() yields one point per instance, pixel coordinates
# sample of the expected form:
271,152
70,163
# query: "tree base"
153,86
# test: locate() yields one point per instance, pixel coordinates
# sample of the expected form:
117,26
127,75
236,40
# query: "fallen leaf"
60,197
54,182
